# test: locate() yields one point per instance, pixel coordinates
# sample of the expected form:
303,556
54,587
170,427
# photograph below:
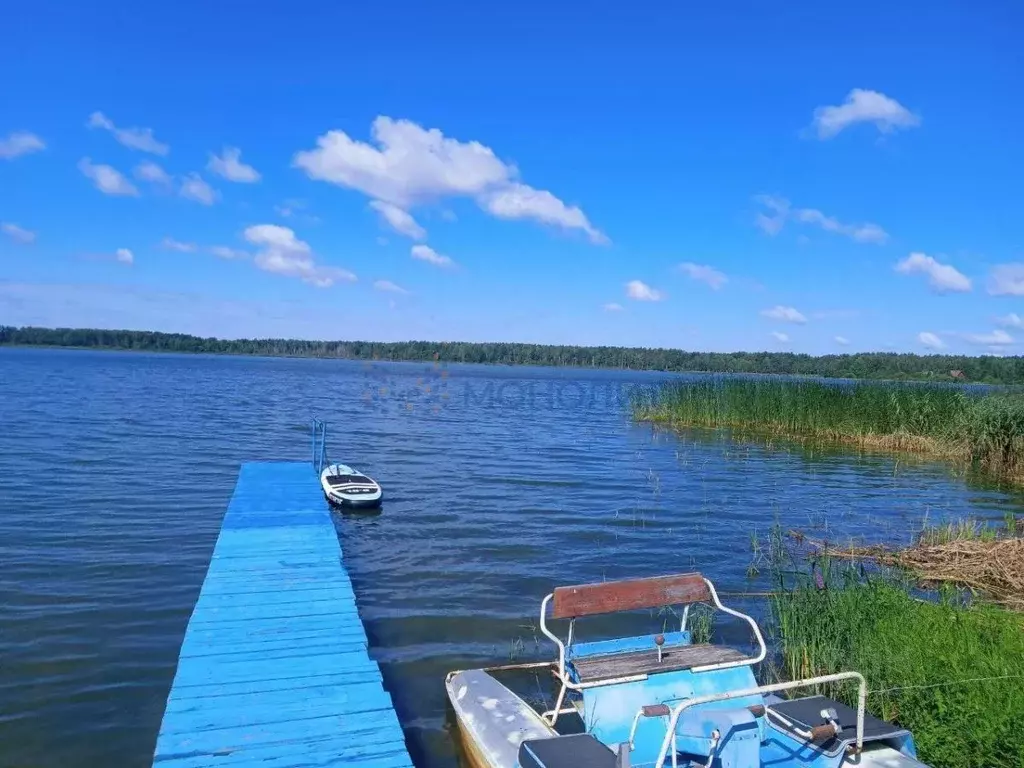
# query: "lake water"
115,470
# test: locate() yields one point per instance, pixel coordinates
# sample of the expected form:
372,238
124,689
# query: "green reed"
952,674
982,427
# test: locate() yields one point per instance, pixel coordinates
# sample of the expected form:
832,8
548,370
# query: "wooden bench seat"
645,662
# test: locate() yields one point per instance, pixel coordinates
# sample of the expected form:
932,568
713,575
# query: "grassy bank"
953,675
981,428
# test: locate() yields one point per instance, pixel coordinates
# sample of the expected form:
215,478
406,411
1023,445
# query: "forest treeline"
869,365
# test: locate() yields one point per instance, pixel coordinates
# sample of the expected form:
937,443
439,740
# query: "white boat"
347,487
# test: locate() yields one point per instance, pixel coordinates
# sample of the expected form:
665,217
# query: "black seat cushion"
805,714
579,750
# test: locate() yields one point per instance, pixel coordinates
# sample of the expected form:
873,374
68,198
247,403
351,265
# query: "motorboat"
652,700
348,488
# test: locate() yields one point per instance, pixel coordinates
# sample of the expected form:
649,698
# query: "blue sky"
727,176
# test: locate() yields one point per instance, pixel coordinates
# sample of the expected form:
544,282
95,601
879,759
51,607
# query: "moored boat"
348,488
649,700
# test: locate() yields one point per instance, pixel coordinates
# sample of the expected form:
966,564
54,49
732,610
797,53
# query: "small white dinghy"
346,487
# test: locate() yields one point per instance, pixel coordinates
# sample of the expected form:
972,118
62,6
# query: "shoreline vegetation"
970,428
945,664
867,365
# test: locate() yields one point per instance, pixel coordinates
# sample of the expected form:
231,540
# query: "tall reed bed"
980,426
950,673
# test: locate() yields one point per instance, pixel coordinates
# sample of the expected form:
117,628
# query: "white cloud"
141,139
408,165
997,338
772,223
640,291
429,255
1007,280
705,274
106,179
224,252
229,165
194,187
842,341
170,244
151,172
124,256
398,219
779,211
861,233
284,254
17,234
930,340
20,143
520,201
612,307
862,106
779,336
1012,320
784,314
942,278
388,287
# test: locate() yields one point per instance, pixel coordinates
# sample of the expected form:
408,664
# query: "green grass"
929,665
986,429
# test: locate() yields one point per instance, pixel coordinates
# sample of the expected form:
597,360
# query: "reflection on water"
500,483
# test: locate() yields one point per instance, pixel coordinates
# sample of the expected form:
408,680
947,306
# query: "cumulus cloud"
1007,280
1012,320
194,187
107,179
429,255
704,274
942,278
930,340
407,165
778,211
141,139
398,219
20,143
388,287
784,314
151,172
124,256
640,291
170,244
17,234
224,252
612,307
520,201
281,252
997,338
842,341
229,165
863,106
779,336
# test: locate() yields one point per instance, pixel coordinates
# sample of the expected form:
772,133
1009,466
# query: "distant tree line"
870,365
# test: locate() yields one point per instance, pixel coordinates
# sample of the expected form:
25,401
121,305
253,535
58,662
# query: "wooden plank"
646,662
274,670
629,595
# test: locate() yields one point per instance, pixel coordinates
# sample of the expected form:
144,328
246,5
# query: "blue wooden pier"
274,670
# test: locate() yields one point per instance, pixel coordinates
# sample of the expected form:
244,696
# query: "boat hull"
492,720
347,488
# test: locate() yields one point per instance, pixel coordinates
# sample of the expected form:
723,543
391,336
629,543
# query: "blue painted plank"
273,670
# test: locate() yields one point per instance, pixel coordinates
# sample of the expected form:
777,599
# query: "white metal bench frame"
566,684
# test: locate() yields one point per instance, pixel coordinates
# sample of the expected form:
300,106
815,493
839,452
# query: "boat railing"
319,445
611,597
673,716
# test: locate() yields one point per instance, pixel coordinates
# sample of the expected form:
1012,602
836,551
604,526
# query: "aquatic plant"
984,428
951,673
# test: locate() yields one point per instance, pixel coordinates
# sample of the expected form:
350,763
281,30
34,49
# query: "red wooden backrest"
629,595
